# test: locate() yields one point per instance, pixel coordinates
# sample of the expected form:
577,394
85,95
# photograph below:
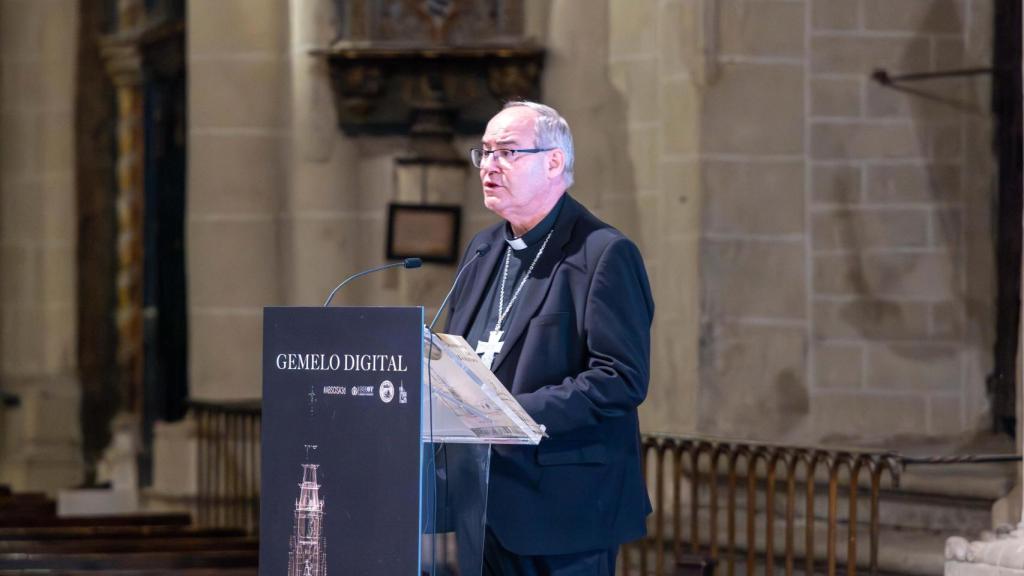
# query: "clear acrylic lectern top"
465,410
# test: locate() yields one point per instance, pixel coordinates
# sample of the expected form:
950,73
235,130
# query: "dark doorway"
1006,106
165,330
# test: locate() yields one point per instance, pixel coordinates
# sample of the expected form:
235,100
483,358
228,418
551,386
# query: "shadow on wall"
913,246
920,263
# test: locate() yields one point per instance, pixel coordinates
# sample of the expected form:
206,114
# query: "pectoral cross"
490,348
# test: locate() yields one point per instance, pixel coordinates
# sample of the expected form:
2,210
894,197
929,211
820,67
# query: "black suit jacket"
577,357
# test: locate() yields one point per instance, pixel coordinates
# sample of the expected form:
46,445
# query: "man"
561,310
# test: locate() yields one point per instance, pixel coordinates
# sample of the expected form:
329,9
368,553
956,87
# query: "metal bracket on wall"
882,76
896,82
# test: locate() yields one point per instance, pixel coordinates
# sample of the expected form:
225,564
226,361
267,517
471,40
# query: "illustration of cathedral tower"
307,554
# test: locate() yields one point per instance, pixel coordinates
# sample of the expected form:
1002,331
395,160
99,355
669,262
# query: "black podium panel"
340,471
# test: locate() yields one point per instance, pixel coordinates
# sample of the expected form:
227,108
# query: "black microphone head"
413,262
482,249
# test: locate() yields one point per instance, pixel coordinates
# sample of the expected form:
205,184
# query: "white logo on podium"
387,391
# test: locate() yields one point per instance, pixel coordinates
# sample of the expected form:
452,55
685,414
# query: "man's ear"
556,163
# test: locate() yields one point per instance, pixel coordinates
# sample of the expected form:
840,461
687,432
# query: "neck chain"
502,309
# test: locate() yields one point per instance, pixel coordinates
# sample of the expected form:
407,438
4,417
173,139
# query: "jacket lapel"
476,282
537,286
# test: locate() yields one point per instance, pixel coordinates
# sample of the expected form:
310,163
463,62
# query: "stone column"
238,70
124,55
628,79
40,441
323,225
124,64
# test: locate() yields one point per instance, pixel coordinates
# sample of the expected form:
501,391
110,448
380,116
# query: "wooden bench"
118,545
150,560
33,539
253,571
30,503
57,533
52,520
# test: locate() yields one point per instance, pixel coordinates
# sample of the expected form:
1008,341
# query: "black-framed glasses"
506,155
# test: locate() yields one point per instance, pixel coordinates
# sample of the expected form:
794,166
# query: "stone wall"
40,441
843,299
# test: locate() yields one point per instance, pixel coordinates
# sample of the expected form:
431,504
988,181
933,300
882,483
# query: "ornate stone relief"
439,22
434,67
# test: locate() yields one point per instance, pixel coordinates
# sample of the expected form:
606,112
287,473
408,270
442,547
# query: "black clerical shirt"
519,262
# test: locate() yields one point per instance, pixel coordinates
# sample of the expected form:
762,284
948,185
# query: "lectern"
363,470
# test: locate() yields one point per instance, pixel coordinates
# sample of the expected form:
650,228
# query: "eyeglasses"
504,155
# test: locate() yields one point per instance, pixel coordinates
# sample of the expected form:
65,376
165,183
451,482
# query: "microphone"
407,263
480,251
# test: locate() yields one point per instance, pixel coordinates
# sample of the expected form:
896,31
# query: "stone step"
896,509
989,481
954,499
910,552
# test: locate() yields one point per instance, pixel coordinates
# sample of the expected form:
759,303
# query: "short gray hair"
551,131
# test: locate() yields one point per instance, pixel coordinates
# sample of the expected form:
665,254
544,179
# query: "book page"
465,388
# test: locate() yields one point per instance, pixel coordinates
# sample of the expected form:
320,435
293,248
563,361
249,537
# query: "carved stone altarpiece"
429,68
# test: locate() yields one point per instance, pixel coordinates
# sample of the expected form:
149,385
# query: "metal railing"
694,480
229,464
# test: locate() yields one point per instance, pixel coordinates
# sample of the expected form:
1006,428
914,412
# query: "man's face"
511,188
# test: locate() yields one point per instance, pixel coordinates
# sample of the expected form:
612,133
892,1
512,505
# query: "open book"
468,404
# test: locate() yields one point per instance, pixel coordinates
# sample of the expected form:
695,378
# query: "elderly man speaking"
560,309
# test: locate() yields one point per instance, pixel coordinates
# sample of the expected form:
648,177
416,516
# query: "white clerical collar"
516,243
